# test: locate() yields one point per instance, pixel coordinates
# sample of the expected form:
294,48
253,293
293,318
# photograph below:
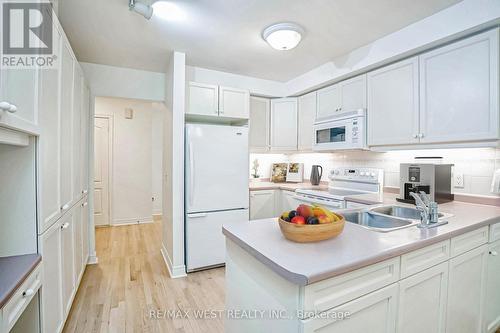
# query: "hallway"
131,280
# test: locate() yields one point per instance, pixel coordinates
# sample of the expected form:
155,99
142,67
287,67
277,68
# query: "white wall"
173,166
463,18
158,114
133,166
477,164
109,81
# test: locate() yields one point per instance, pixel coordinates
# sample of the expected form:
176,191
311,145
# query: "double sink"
387,218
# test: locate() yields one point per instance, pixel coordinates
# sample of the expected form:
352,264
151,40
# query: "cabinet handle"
65,225
85,192
85,204
4,106
415,136
421,135
494,253
12,108
65,207
28,293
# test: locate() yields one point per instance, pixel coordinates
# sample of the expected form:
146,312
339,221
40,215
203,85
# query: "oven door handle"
335,204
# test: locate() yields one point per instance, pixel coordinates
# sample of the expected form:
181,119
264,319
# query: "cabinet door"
466,291
307,111
51,292
49,141
77,114
284,124
259,124
329,102
459,90
374,313
262,204
423,294
492,296
85,133
393,104
288,201
85,232
353,93
203,99
66,123
67,259
234,103
78,242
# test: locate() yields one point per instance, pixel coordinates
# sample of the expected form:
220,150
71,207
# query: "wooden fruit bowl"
307,233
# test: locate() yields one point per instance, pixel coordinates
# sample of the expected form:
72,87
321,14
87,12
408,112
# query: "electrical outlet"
459,180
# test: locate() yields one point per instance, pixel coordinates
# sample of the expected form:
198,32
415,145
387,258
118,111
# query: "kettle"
316,174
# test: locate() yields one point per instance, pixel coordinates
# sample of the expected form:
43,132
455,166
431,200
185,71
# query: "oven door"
340,134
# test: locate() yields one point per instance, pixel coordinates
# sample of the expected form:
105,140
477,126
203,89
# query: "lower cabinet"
492,296
422,301
374,313
262,204
466,291
67,261
288,201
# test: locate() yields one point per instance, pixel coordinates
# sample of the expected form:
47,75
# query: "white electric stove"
344,182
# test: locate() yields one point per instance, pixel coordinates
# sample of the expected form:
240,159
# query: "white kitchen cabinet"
52,294
348,95
284,124
459,90
85,231
260,110
67,260
307,111
234,103
85,136
203,99
76,140
78,243
66,126
393,104
262,204
288,201
492,297
466,288
374,313
49,141
422,301
329,102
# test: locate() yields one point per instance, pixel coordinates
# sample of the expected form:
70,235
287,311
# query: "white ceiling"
225,34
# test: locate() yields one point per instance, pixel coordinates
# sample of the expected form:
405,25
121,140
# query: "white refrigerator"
216,176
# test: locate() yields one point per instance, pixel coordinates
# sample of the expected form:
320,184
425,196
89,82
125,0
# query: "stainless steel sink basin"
403,212
377,222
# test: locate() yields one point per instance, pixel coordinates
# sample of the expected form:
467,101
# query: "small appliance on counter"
433,179
316,174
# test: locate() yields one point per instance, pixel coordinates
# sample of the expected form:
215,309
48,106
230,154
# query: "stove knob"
336,172
362,173
372,174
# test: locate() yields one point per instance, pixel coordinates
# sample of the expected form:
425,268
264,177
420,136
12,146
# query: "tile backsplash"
476,164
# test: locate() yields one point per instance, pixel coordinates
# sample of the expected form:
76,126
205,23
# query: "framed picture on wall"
278,172
295,173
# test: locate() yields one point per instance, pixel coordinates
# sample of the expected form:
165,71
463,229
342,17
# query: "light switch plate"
459,180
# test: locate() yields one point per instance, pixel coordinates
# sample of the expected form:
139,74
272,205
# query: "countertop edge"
20,281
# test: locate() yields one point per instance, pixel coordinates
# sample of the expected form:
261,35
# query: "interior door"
101,170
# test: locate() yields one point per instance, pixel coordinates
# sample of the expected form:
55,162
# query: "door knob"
12,108
4,106
494,253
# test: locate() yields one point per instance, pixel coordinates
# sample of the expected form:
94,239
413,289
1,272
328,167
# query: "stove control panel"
357,174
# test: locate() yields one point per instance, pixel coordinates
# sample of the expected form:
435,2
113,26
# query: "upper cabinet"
307,111
459,91
284,124
393,104
260,109
213,101
348,95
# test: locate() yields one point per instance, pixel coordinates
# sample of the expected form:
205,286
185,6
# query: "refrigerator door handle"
191,176
196,216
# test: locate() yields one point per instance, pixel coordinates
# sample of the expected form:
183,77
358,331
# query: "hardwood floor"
131,280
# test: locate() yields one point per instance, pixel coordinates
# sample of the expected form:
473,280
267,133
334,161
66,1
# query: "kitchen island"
409,280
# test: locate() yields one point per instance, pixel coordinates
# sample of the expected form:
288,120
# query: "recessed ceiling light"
168,11
283,36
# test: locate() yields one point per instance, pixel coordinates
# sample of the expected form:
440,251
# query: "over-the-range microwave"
344,131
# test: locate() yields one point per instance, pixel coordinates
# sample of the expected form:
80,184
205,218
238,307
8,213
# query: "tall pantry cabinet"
63,182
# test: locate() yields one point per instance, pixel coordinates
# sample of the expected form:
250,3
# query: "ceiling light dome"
283,36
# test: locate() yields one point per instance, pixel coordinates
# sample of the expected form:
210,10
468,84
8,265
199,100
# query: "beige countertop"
259,185
356,247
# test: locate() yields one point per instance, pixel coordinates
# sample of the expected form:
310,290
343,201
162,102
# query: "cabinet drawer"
494,232
422,259
469,241
329,293
22,297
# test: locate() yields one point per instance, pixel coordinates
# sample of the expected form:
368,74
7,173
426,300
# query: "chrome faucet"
428,209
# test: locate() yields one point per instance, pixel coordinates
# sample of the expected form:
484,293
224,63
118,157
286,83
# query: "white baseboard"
93,260
174,271
118,222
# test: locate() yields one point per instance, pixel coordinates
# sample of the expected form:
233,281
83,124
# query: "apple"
299,220
305,211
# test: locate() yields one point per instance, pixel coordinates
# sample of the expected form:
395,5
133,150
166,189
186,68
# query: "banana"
323,211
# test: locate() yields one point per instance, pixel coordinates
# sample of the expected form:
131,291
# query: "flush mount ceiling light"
283,36
168,11
140,8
